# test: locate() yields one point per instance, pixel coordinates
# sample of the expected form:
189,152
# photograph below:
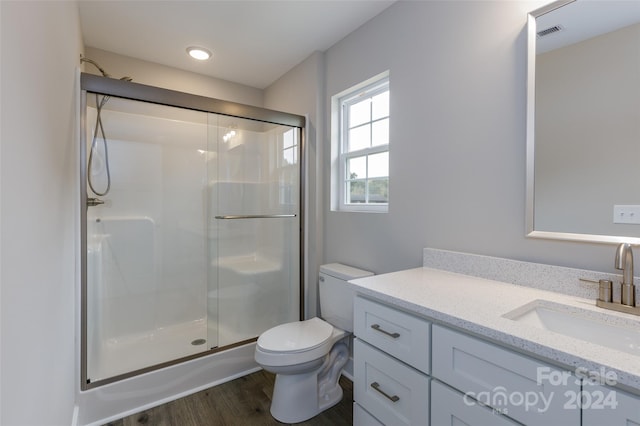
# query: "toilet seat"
296,343
295,337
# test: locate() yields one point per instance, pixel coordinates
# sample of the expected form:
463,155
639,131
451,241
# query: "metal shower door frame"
90,83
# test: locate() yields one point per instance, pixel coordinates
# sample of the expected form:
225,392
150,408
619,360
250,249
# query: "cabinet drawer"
530,391
450,408
362,418
401,335
391,391
602,405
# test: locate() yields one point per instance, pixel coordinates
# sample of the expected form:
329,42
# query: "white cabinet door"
607,406
391,391
533,393
450,408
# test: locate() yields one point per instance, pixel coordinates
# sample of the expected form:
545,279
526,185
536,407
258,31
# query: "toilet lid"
296,336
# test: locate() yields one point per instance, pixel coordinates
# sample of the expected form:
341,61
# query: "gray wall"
457,153
38,199
300,91
166,77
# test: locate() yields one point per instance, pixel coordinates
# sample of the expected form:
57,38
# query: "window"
287,166
289,148
364,148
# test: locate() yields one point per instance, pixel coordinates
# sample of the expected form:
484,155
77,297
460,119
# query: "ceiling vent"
550,30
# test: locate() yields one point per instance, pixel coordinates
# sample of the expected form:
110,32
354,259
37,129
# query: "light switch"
626,214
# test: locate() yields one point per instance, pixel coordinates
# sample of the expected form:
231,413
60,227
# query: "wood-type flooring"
241,402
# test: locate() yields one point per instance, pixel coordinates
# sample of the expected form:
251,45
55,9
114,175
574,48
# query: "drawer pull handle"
394,398
377,328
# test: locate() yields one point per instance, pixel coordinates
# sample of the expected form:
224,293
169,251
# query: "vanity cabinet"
401,335
608,406
390,390
410,372
391,366
451,408
512,384
363,418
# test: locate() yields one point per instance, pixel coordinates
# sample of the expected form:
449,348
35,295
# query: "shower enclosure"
191,226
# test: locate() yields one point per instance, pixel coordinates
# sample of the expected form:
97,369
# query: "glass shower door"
254,282
192,229
146,245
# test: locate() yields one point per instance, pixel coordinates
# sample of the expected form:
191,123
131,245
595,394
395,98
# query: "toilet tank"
336,297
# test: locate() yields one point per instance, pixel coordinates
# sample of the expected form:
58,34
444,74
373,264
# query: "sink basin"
596,327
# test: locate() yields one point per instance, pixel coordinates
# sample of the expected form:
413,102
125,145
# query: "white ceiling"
581,20
254,42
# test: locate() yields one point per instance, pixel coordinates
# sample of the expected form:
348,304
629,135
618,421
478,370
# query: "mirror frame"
531,232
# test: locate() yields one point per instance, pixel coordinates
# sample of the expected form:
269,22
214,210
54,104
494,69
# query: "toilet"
308,356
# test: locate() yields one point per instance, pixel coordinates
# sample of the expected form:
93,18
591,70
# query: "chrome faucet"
624,262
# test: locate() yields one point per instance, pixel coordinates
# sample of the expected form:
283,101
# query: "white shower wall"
147,242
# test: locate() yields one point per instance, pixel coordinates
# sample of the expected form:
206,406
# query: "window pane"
379,165
380,105
355,191
357,168
360,138
289,156
380,133
288,139
379,191
360,113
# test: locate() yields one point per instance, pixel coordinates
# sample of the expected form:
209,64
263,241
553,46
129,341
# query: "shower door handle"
256,216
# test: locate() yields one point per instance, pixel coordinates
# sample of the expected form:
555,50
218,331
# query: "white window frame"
294,148
284,191
351,97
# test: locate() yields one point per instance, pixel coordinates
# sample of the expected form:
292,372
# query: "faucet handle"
605,289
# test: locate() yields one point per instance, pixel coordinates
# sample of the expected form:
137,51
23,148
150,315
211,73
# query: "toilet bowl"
308,356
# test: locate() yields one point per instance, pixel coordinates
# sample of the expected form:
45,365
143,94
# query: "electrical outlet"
626,214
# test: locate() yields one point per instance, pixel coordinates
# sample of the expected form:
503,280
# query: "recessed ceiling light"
199,53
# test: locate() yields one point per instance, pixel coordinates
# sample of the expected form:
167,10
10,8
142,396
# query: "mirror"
583,121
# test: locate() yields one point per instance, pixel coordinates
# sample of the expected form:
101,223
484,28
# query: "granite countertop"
477,306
